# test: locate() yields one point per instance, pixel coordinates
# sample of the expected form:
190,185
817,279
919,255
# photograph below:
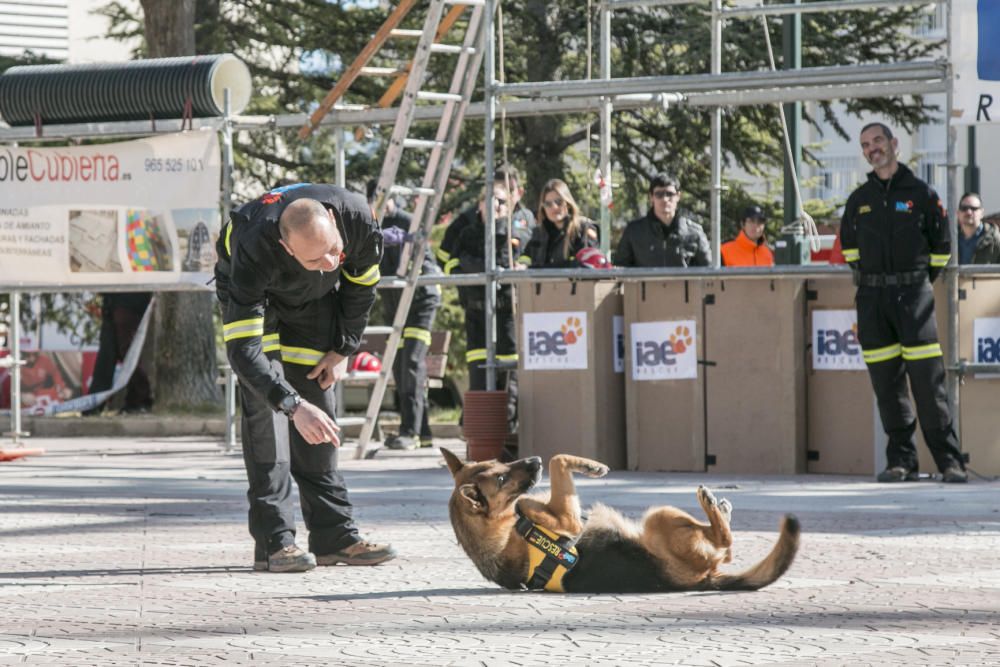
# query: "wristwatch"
289,404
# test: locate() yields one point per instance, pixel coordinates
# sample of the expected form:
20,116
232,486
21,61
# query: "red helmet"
592,258
366,362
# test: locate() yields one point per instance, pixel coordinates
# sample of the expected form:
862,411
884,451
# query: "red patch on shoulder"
270,198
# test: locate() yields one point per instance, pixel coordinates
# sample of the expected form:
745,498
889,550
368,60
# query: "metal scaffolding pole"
227,204
951,273
715,197
489,97
814,7
605,101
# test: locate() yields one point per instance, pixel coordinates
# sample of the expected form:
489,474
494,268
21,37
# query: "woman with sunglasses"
561,233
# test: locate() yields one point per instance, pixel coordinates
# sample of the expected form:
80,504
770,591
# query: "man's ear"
454,463
470,493
285,246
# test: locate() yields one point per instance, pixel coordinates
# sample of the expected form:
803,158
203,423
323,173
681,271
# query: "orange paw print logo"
572,331
680,339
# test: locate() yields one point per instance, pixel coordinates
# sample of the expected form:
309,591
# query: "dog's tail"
767,571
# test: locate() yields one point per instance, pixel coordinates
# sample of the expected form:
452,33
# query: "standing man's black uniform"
410,367
121,313
663,237
296,276
472,259
895,237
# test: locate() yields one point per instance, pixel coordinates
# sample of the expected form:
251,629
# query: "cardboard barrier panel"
755,375
837,385
979,396
665,418
570,399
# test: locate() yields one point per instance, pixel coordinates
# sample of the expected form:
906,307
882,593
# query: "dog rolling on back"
520,541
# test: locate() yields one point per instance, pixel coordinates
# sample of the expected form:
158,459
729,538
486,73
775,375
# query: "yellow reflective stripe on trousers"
300,355
882,353
928,351
938,261
507,357
271,342
423,335
478,354
243,329
450,266
851,254
367,279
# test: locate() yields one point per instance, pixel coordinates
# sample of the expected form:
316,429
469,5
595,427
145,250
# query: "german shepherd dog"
669,551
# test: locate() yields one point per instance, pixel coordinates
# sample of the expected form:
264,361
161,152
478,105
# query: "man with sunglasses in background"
296,278
663,237
979,243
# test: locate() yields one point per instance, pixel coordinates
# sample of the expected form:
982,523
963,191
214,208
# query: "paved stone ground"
134,552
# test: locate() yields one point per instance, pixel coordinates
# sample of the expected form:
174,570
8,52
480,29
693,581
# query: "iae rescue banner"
664,350
143,212
555,341
835,344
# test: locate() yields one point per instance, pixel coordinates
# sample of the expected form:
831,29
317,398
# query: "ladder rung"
424,144
406,190
381,71
406,34
438,97
451,48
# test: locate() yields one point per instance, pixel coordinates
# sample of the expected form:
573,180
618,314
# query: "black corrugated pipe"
131,90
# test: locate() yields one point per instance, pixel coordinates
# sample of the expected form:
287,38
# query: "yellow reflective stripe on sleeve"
366,279
442,255
300,355
939,260
507,357
882,353
478,354
423,335
229,233
851,254
243,329
922,352
271,342
450,266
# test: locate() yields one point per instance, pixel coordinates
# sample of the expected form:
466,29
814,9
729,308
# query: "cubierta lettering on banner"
53,166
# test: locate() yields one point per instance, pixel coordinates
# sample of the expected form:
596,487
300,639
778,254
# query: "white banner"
555,341
143,212
835,344
986,343
664,350
975,52
618,342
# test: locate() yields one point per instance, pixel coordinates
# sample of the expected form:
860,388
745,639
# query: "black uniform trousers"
506,353
274,452
409,370
898,335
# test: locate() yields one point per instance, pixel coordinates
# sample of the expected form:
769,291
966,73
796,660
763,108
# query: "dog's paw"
706,497
595,469
726,509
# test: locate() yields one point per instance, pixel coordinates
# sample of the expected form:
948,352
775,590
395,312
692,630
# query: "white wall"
87,42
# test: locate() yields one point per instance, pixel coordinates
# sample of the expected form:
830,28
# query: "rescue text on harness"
550,556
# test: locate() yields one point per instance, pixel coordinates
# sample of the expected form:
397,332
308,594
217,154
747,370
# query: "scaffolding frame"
601,96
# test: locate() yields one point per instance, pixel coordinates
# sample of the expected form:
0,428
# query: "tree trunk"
186,366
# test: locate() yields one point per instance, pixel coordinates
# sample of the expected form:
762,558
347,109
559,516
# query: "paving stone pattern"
135,552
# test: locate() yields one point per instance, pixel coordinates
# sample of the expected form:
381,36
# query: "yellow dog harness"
550,556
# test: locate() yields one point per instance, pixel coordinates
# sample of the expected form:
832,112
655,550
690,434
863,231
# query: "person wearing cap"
979,243
663,237
749,248
896,239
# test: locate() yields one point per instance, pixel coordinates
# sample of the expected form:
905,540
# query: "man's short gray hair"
302,215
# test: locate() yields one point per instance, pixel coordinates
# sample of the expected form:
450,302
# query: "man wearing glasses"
978,243
895,238
663,237
296,278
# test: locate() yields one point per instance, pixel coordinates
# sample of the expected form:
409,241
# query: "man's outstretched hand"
315,426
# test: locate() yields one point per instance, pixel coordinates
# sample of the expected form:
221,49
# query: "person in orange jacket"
749,248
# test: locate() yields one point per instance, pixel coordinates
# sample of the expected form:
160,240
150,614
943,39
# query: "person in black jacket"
978,243
663,237
121,313
894,235
562,231
471,251
296,278
410,367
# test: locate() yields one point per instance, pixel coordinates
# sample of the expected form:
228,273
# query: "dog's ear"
470,493
454,463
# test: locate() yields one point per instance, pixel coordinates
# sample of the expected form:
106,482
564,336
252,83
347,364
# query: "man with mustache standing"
895,238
